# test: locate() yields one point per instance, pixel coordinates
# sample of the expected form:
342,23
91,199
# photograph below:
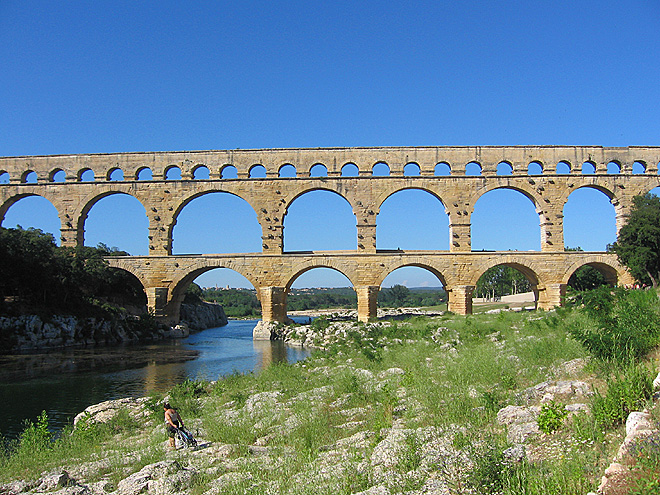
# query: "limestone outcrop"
202,316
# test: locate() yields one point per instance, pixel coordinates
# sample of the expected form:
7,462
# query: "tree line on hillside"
39,277
241,303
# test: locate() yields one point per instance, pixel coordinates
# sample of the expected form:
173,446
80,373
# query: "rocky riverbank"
203,315
33,332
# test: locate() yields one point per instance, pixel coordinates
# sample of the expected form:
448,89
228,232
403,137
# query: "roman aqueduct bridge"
457,176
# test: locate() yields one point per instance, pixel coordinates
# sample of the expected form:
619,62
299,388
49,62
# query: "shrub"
625,324
551,417
627,391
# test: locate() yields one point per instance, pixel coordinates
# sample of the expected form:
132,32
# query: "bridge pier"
551,296
367,302
160,307
273,304
460,299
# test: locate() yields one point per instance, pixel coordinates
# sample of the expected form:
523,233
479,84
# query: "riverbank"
431,405
36,333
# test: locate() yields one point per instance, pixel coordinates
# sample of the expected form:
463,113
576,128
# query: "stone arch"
186,201
57,175
332,188
119,264
639,167
325,187
350,170
4,177
528,270
611,273
473,169
318,170
527,190
29,177
387,270
144,173
504,168
172,172
228,171
412,169
442,169
568,219
588,168
535,167
563,167
11,201
200,172
287,170
93,199
384,227
290,278
380,169
257,171
86,175
614,167
183,280
115,174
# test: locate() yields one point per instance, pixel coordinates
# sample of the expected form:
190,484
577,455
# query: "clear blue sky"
93,77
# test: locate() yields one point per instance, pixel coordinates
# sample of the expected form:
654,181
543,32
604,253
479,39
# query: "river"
64,382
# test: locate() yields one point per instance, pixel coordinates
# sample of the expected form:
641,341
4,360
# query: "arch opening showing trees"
506,282
118,220
34,212
412,286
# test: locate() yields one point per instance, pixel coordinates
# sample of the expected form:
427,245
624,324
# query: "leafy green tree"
38,276
638,244
502,280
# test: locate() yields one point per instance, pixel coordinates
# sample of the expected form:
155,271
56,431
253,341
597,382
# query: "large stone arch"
526,190
392,190
88,203
620,202
382,274
323,185
613,273
528,269
127,266
12,200
297,270
530,272
178,286
314,187
177,208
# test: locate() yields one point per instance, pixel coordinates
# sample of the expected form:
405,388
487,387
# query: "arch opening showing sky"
216,223
412,219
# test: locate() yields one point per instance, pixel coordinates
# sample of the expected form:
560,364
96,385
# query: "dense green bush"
623,325
627,391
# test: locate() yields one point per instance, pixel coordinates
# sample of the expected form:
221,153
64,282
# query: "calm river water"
63,383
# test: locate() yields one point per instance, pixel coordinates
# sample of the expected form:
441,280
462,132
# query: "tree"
638,244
